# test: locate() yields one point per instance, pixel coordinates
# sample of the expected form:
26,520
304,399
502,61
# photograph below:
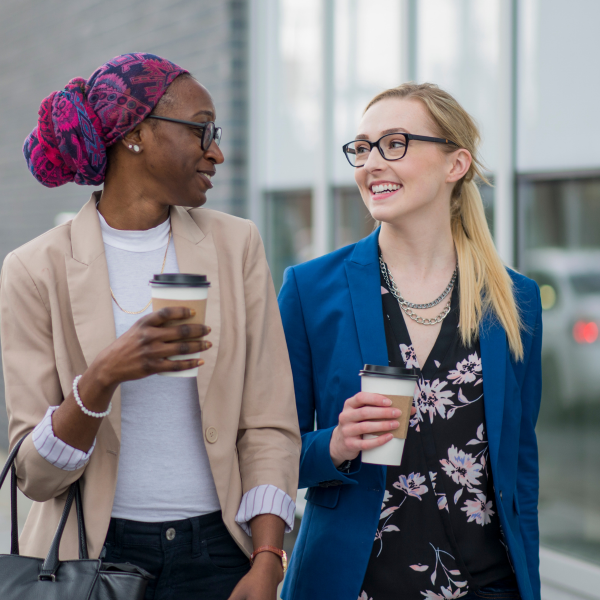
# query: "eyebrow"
362,136
208,113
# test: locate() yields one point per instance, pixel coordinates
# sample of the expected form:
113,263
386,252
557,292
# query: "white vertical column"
260,31
409,33
504,177
322,208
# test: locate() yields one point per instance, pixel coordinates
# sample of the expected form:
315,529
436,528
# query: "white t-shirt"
164,473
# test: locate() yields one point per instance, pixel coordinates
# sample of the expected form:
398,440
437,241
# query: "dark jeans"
193,559
504,589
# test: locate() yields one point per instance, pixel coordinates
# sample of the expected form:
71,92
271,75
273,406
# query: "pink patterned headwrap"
76,125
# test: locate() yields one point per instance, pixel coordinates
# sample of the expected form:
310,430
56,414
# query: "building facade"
526,70
45,44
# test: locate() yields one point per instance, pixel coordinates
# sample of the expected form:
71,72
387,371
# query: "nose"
214,154
374,162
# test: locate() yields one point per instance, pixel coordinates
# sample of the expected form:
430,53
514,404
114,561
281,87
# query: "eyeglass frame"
202,126
407,136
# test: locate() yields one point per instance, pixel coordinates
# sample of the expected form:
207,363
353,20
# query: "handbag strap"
74,493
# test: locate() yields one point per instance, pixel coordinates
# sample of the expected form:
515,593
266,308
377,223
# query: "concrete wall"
45,44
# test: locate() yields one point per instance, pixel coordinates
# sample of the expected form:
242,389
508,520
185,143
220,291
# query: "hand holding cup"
364,413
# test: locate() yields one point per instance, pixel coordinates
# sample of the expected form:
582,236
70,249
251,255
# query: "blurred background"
290,79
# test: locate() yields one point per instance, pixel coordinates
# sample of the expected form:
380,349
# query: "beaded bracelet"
86,411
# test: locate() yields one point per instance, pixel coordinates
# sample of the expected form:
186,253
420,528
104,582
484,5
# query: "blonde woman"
427,291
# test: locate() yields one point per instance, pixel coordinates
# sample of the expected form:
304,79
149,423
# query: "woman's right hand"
141,351
364,413
144,349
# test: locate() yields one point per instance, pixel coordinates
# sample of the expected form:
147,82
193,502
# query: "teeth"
385,187
208,176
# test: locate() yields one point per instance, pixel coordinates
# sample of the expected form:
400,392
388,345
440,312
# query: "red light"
585,332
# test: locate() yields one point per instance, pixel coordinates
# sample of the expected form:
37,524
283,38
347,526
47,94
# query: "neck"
418,246
127,206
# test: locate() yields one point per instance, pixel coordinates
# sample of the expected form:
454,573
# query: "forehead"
192,99
395,114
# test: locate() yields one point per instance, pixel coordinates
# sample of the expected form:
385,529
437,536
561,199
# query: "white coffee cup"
181,289
398,384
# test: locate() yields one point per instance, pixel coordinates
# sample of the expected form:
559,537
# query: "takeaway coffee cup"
398,385
181,289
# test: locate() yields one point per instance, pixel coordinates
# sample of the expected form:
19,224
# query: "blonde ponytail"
485,284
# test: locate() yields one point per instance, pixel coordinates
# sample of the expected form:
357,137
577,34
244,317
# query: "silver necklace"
408,306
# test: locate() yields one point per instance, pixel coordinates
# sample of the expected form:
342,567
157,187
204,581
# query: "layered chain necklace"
139,312
407,307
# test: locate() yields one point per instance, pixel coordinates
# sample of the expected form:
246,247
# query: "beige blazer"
57,315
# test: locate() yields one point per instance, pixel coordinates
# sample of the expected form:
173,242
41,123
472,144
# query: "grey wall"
44,44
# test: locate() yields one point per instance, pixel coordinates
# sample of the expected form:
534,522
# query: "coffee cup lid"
395,372
180,280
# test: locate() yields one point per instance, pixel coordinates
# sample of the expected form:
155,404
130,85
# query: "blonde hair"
484,281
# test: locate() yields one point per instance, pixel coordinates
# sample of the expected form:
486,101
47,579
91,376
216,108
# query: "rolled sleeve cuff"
262,500
54,450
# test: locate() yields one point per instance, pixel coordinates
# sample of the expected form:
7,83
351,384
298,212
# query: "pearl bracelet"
86,411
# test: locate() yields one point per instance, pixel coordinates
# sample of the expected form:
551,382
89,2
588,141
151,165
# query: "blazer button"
211,435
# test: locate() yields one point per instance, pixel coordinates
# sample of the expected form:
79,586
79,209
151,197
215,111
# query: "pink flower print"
383,291
409,356
479,510
364,596
462,467
386,497
430,397
412,485
467,370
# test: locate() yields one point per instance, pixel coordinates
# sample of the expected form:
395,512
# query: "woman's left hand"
262,580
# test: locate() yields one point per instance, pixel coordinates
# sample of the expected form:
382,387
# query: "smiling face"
422,181
172,163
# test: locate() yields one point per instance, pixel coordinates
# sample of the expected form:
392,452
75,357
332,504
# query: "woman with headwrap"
184,477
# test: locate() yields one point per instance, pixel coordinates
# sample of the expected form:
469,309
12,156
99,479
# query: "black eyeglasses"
209,131
392,146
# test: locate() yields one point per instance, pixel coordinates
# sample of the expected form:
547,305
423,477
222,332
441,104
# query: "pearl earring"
136,148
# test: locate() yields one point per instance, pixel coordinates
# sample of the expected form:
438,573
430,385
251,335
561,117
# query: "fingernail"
192,312
200,363
387,402
394,424
208,330
208,345
396,412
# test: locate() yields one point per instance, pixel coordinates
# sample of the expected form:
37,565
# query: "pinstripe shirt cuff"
262,500
54,450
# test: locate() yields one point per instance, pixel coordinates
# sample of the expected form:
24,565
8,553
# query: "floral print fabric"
439,535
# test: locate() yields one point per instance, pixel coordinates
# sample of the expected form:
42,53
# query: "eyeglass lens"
393,147
210,133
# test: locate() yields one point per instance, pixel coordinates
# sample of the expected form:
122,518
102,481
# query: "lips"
383,189
206,177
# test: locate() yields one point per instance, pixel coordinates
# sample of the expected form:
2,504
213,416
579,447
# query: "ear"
460,161
134,138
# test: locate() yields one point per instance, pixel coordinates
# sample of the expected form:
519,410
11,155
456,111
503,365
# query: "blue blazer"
333,320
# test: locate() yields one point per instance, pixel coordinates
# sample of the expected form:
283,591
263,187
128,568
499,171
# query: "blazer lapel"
196,253
89,292
362,271
493,344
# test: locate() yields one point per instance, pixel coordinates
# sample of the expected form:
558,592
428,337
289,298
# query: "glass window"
561,251
289,231
352,219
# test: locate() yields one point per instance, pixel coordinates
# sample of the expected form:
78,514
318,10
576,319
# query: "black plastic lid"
180,280
396,372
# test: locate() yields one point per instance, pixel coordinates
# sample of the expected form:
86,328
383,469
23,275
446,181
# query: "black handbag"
28,578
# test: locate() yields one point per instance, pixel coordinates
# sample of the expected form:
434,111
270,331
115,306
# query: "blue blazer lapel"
493,344
362,271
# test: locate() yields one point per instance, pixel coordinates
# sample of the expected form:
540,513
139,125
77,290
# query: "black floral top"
439,535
